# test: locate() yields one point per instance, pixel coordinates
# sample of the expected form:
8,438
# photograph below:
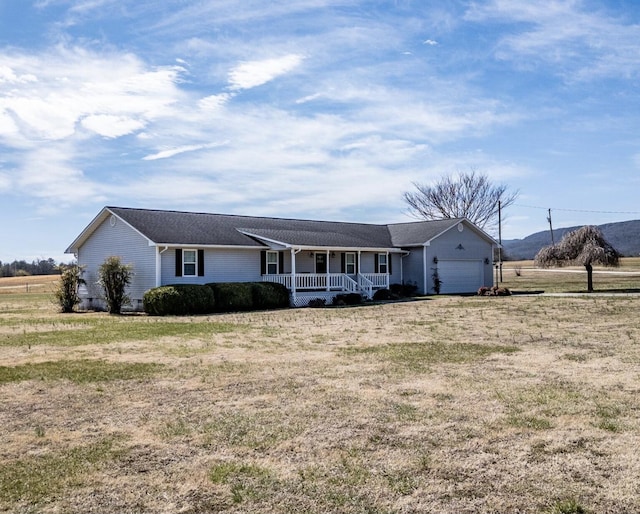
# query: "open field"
573,279
28,284
522,404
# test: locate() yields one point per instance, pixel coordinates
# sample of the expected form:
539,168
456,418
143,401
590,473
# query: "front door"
321,263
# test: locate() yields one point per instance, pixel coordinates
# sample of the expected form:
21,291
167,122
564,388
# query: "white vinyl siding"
120,240
220,265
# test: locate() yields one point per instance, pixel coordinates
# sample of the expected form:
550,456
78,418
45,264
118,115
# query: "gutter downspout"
406,254
424,271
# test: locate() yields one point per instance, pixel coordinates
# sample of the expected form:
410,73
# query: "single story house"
313,259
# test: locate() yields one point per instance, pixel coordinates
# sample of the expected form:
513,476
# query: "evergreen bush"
383,295
403,290
232,296
179,300
114,279
66,294
269,295
347,299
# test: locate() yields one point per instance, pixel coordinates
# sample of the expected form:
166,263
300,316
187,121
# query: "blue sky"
318,109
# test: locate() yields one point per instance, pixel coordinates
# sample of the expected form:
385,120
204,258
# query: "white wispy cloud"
69,85
251,74
583,43
47,175
164,154
111,126
5,182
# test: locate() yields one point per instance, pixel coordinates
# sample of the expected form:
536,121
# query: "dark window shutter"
263,262
343,262
201,263
376,263
389,259
281,263
178,262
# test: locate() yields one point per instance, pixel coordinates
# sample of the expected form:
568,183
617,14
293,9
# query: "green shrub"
66,294
178,300
347,299
232,296
114,279
269,295
403,290
317,303
382,295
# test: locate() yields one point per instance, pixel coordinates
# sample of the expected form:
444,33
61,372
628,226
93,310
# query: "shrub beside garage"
184,299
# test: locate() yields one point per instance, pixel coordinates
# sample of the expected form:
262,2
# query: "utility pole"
550,227
500,238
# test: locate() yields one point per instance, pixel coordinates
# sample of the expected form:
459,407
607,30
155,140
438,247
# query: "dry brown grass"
523,276
28,284
452,405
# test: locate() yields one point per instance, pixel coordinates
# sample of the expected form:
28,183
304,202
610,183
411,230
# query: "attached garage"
460,276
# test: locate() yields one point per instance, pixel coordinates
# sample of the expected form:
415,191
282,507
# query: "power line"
575,210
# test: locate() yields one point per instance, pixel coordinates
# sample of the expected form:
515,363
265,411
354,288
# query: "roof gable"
420,233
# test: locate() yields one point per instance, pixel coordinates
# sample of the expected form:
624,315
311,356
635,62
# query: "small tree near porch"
585,246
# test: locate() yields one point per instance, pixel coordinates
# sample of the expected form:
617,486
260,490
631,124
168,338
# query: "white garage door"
460,276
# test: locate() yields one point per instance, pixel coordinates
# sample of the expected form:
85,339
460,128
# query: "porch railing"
366,282
378,280
310,281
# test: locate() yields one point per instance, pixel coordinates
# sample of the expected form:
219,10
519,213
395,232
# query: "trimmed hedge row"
249,296
179,299
182,299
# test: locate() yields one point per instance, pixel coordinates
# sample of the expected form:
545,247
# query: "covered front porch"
322,274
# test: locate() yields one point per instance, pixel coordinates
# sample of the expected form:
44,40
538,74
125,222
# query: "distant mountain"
624,236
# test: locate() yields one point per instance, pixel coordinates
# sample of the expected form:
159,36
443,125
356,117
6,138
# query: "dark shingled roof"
418,232
190,228
174,227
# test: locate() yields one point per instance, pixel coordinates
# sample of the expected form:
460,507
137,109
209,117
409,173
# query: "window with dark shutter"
189,263
273,259
381,260
349,266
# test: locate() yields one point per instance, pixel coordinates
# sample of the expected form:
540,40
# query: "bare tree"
585,246
467,195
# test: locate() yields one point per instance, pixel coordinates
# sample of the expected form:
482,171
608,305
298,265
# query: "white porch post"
328,264
388,268
293,275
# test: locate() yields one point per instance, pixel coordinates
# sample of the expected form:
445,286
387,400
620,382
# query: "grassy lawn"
522,276
522,404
